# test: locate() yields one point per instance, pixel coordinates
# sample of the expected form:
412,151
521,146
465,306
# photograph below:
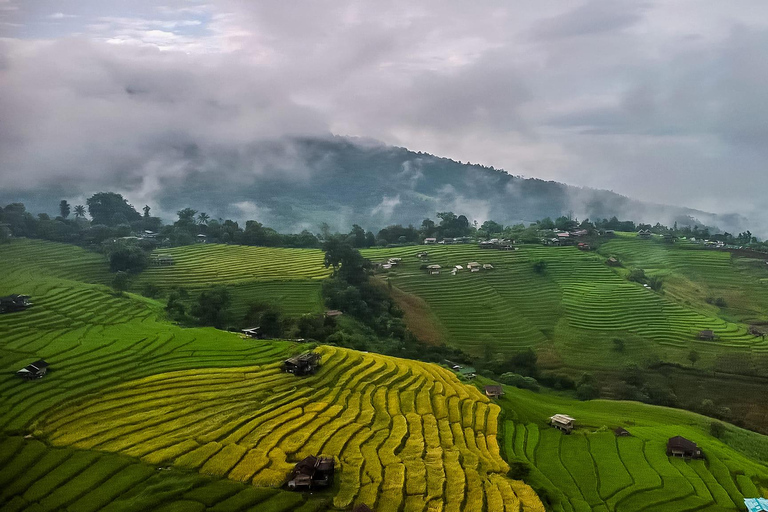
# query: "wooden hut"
707,335
36,370
621,432
679,446
303,364
562,422
14,302
493,391
312,472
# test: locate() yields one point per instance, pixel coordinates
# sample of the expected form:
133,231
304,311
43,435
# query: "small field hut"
312,472
756,504
493,391
562,422
433,269
36,370
707,335
679,446
303,364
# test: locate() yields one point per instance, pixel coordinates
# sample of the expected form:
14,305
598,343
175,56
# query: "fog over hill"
300,182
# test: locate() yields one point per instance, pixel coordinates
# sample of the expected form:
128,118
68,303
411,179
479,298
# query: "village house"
473,266
35,370
433,269
644,234
311,473
583,247
13,303
493,391
201,239
707,335
562,422
487,266
612,262
430,241
679,446
756,504
302,364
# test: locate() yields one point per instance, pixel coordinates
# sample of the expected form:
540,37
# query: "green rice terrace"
136,413
573,310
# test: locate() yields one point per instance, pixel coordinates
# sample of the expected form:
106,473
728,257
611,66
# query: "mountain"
298,183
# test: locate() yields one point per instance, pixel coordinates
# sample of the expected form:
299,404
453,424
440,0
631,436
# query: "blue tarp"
756,504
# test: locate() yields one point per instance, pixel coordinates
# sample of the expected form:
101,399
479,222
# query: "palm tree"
203,218
79,211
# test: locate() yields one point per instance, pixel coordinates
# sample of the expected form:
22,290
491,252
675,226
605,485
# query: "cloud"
663,101
61,16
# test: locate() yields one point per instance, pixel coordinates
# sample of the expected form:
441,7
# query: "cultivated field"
289,278
573,310
592,469
408,435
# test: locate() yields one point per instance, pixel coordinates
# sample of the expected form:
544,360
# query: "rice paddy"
573,309
593,469
408,435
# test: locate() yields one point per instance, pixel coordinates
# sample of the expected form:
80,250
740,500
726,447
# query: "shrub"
618,345
720,302
587,392
518,470
717,429
540,266
519,381
150,290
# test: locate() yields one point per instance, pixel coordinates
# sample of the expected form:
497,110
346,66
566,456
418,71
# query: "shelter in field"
311,473
756,504
161,260
13,303
430,241
473,266
609,233
562,422
487,266
253,332
423,255
394,261
706,335
303,364
201,239
434,269
644,234
621,432
493,391
35,370
583,247
333,313
679,446
612,262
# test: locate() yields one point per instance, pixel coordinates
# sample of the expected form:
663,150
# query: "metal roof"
756,504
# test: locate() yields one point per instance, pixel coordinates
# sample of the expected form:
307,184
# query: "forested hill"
299,183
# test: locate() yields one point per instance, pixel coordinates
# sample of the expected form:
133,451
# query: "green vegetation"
593,469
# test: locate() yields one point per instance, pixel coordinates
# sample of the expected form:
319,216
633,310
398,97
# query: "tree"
120,282
111,209
717,429
345,259
203,218
127,258
64,208
693,357
211,307
80,211
146,211
540,266
618,344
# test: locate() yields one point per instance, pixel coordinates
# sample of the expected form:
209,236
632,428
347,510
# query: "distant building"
583,247
333,313
35,370
609,233
161,260
253,332
644,234
201,239
562,422
493,391
621,432
434,269
706,335
487,266
303,364
430,241
473,266
679,446
13,303
311,473
612,262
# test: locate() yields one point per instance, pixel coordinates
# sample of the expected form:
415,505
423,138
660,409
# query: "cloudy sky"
664,101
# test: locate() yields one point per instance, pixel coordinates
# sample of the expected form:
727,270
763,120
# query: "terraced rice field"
578,305
408,435
592,469
37,477
289,278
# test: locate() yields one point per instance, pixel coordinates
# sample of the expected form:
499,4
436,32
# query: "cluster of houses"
13,303
390,263
567,238
472,266
448,241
